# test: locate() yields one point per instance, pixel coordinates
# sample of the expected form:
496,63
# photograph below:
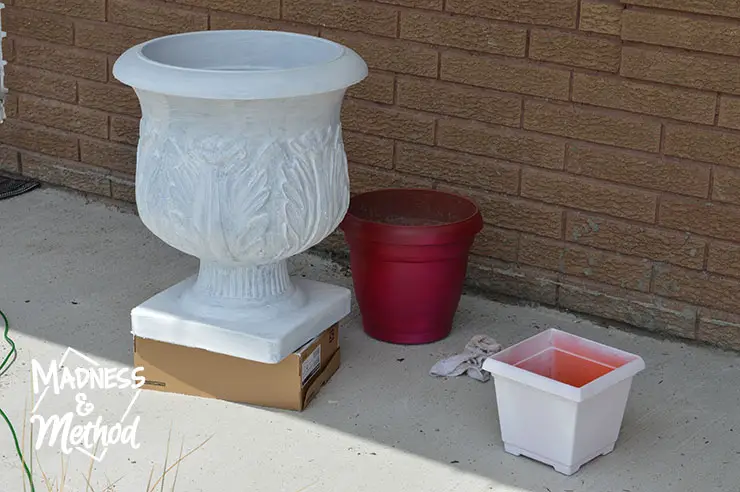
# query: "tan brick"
110,155
387,122
496,243
719,328
464,32
600,266
63,60
88,9
261,8
524,77
726,185
702,144
724,258
461,101
421,4
658,100
378,87
587,194
515,213
501,143
454,167
40,82
9,159
8,48
584,123
112,80
64,116
671,29
109,97
644,241
65,173
366,149
602,16
348,15
575,49
124,129
53,28
706,72
38,138
642,310
231,21
712,219
363,178
700,288
108,37
387,54
729,111
156,16
560,13
728,8
522,282
122,189
11,105
644,170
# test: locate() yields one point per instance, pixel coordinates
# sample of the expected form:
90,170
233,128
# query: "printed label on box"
311,365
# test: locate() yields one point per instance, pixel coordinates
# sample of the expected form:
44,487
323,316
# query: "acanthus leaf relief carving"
314,195
165,183
222,196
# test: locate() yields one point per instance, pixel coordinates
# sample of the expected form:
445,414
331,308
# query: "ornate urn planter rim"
240,65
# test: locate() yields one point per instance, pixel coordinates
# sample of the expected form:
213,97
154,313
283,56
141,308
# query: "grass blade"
33,404
111,487
23,442
46,479
87,481
196,448
149,483
92,464
166,457
177,470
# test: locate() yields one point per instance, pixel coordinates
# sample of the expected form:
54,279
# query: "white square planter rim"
215,70
498,368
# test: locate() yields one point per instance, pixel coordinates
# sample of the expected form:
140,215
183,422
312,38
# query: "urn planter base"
165,318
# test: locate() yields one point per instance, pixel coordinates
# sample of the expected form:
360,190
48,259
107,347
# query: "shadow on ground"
71,271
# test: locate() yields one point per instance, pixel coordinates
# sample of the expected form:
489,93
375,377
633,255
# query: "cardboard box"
290,384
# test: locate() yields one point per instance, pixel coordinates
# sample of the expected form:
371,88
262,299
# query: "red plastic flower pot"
409,254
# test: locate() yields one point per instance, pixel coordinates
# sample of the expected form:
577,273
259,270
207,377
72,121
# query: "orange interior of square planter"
565,367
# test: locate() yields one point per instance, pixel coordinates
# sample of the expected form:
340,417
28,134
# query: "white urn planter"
241,164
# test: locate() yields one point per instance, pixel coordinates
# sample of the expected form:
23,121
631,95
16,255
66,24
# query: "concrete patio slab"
72,269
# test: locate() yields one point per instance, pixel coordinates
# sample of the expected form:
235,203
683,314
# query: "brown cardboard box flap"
322,378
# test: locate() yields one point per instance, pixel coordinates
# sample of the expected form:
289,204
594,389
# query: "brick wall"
601,139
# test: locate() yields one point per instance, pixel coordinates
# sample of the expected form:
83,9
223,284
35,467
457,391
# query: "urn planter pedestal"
241,163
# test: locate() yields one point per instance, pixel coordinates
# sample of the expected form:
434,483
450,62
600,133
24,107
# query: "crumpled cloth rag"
469,362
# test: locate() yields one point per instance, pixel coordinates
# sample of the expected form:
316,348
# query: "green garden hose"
3,366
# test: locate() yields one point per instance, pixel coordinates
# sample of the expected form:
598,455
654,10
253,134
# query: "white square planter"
561,398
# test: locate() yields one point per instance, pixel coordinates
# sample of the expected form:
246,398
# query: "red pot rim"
364,229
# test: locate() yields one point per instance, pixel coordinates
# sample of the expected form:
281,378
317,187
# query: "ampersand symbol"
83,407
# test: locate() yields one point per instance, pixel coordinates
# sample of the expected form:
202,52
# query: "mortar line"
716,109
